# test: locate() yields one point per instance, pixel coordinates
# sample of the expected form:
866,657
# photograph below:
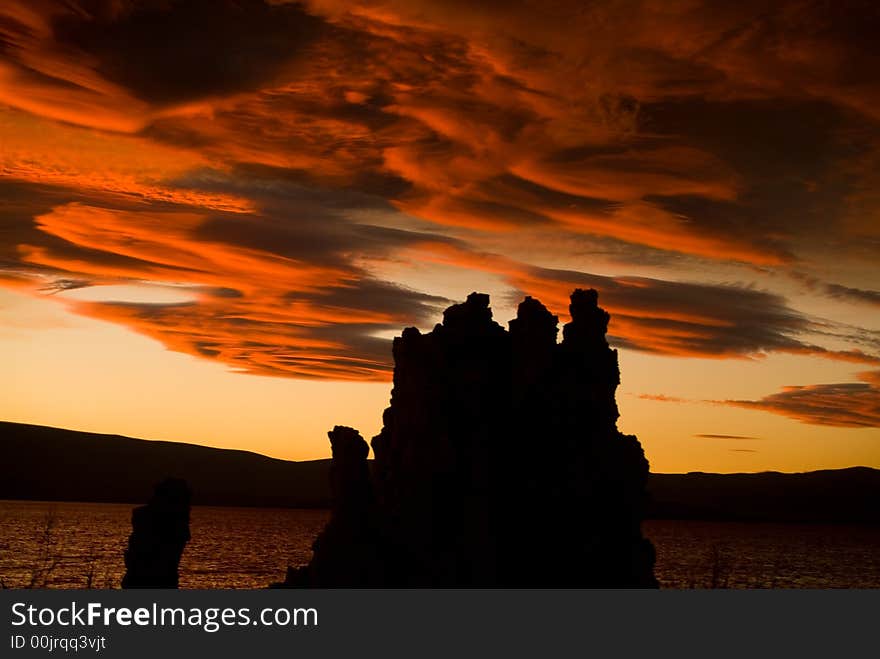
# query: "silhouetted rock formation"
345,551
160,531
499,462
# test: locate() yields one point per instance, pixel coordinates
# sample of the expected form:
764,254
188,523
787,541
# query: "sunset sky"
214,216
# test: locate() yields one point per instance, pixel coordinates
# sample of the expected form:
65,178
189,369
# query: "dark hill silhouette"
830,495
54,464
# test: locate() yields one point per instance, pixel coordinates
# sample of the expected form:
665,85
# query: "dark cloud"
845,405
19,203
738,437
317,225
368,188
180,50
60,285
853,294
407,306
836,291
687,318
663,398
676,318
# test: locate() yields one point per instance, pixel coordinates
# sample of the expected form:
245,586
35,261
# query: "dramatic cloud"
259,310
47,153
855,294
492,121
274,159
665,317
837,291
846,405
185,50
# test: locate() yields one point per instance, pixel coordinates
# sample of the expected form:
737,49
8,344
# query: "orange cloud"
254,310
45,152
446,99
44,78
264,312
270,154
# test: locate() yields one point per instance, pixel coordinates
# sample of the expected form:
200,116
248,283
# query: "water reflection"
80,545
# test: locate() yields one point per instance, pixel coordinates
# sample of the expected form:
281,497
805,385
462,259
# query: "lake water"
80,545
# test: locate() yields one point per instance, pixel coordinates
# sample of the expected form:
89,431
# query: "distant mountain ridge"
828,495
54,464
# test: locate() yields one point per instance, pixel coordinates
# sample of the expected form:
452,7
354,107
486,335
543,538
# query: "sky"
215,215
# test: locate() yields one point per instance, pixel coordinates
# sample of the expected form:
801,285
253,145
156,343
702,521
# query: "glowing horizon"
215,216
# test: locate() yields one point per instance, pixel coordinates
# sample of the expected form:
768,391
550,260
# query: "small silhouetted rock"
345,551
349,474
499,462
160,531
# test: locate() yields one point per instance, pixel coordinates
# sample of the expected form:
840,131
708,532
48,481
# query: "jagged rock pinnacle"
534,320
589,322
499,462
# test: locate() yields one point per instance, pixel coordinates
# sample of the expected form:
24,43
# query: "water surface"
81,545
